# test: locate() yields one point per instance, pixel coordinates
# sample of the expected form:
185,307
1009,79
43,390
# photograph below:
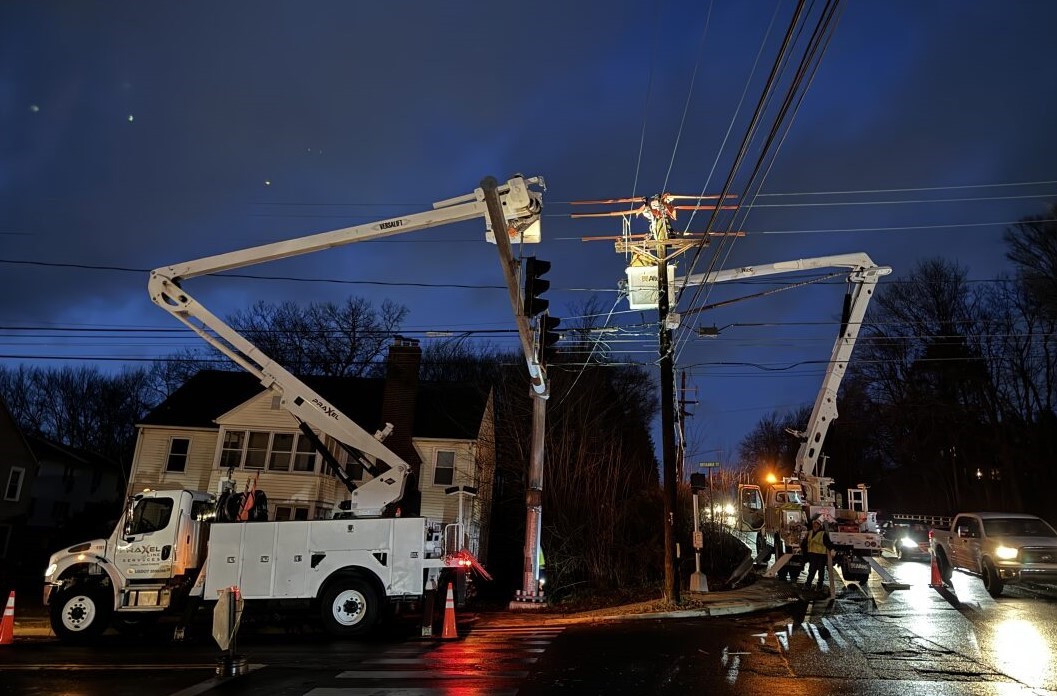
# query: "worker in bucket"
816,545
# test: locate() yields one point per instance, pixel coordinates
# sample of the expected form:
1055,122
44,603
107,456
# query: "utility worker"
816,545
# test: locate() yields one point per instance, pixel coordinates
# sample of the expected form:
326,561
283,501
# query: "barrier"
449,615
937,578
7,626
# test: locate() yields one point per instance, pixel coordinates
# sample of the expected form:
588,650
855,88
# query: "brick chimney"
399,397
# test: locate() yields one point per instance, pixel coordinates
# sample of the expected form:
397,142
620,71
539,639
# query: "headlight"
908,543
51,570
1006,553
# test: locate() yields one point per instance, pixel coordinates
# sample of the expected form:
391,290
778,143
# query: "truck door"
750,508
965,543
145,549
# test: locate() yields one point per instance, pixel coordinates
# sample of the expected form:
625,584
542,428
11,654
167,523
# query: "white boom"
521,207
863,277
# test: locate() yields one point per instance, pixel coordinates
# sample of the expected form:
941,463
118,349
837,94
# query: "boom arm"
863,277
521,207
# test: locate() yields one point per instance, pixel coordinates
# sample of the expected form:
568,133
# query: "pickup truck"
1000,547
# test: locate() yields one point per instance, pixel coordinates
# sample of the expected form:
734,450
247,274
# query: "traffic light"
548,328
535,285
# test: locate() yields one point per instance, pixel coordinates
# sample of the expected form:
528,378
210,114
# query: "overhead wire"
790,105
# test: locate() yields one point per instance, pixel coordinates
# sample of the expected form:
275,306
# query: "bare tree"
346,340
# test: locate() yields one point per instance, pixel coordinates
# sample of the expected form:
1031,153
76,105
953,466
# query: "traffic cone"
937,579
449,616
7,626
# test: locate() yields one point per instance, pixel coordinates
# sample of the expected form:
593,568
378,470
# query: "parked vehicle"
906,541
1000,547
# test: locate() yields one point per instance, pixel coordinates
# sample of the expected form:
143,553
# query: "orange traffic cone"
937,579
449,616
7,626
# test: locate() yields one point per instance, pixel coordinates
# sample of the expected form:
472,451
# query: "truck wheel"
349,606
992,582
946,571
80,613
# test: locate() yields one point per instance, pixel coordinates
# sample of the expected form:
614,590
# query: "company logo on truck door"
326,408
390,224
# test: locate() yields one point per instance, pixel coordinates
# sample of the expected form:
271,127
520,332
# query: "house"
18,470
52,495
222,426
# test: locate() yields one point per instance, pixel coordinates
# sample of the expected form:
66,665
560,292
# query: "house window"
231,454
444,468
246,449
13,489
285,513
256,450
351,465
178,449
274,451
291,447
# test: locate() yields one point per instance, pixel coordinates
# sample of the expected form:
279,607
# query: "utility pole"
654,251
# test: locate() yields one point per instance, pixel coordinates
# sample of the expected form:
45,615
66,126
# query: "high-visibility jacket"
816,541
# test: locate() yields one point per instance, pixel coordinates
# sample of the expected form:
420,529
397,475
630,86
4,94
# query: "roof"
1002,515
50,450
200,400
442,409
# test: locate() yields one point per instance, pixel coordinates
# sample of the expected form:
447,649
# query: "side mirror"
130,508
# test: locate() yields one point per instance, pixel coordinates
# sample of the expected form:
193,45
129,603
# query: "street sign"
708,465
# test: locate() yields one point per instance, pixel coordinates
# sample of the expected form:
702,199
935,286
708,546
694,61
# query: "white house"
221,424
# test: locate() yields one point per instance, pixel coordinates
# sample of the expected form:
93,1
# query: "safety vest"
815,544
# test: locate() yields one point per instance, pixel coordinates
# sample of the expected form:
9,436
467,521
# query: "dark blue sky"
135,135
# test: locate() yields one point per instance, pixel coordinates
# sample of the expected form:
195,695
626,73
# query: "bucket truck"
780,511
170,548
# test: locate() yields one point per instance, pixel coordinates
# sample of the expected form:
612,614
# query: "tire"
992,582
349,606
946,571
81,613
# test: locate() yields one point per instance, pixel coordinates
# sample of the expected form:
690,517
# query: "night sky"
139,134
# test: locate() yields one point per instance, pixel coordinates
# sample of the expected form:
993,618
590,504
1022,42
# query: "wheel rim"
78,613
349,607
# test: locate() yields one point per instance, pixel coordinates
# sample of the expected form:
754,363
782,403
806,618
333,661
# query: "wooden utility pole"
671,564
656,249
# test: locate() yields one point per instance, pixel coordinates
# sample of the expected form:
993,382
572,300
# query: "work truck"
1000,547
175,549
778,511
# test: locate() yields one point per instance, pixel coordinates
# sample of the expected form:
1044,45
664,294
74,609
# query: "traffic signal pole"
530,595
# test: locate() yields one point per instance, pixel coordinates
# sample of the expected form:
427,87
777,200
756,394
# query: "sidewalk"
764,594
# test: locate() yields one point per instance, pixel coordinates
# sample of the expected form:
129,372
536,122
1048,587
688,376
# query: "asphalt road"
915,641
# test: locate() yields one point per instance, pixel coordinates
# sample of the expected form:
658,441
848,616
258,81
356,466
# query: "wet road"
911,641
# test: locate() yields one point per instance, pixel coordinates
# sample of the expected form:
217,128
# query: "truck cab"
148,564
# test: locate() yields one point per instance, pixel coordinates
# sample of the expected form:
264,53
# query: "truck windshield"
1013,526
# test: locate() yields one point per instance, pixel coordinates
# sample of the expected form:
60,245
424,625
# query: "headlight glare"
1006,553
51,570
